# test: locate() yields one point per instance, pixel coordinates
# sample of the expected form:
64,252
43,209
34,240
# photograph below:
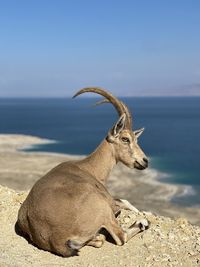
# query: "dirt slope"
166,243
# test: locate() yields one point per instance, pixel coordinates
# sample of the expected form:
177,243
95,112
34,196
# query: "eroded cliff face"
167,243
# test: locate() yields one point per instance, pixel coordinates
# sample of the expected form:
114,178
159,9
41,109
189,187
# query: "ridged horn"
116,103
126,110
100,102
128,116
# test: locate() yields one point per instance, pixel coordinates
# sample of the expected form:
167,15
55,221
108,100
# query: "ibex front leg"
136,227
124,204
122,236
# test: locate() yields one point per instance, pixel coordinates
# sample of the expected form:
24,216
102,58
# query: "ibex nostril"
146,161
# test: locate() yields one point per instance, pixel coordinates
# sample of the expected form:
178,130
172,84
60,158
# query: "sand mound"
166,243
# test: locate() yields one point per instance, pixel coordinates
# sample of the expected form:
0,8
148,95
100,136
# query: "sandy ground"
165,243
168,242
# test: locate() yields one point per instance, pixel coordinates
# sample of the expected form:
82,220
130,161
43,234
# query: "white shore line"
20,143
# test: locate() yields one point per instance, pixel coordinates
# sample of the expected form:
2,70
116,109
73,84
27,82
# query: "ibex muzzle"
68,207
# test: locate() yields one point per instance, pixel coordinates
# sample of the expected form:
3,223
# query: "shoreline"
154,176
20,169
23,142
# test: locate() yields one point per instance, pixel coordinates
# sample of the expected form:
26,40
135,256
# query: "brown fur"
67,208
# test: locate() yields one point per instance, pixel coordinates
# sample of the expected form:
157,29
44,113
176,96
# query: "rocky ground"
167,243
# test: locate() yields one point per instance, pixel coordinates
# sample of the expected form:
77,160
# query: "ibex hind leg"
97,241
71,247
63,247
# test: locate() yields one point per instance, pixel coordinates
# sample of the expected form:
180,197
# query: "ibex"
68,207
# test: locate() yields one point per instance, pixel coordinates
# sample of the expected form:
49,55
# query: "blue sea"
171,138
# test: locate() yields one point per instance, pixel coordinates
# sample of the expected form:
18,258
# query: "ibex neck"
100,162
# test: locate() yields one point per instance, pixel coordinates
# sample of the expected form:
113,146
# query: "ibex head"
122,138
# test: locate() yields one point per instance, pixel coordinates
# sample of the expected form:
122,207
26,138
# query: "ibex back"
68,207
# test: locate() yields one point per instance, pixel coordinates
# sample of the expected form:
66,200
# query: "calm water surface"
171,137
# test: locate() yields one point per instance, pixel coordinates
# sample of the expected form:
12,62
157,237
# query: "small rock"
182,222
191,252
126,220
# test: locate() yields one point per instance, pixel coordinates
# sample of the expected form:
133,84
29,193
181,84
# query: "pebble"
126,220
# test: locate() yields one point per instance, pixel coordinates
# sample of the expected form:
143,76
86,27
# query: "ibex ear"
119,126
138,132
116,130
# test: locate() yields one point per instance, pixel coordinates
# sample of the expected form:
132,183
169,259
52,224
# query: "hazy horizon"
134,48
98,96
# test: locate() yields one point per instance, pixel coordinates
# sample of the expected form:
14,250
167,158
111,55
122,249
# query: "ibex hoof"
143,224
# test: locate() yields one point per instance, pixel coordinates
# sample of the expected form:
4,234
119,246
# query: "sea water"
171,138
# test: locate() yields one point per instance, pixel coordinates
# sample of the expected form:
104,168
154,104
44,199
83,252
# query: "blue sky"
54,48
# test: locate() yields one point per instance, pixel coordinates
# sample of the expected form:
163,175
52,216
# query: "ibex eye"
125,140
